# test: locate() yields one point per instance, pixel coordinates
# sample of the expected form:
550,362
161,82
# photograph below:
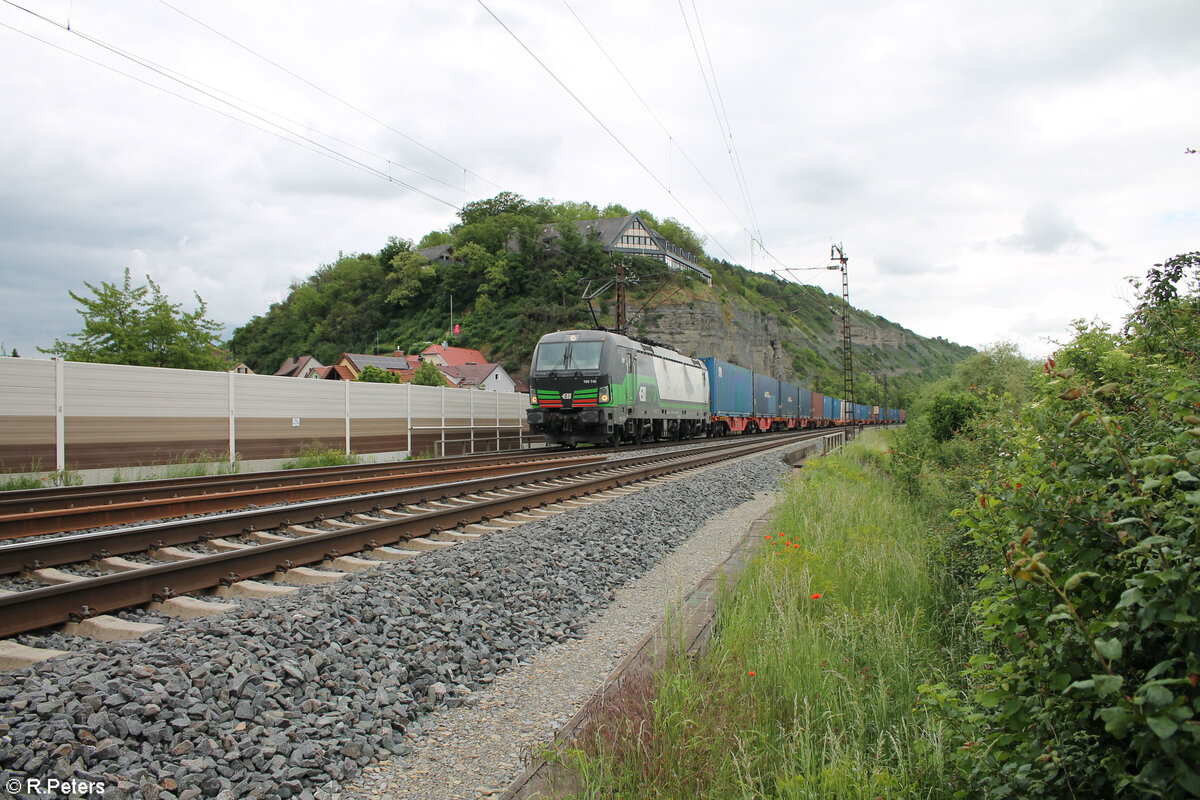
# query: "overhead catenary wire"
717,99
718,107
674,141
189,81
329,94
318,149
728,127
603,126
286,135
336,154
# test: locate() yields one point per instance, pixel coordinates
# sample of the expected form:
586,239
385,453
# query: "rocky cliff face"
744,337
756,340
893,338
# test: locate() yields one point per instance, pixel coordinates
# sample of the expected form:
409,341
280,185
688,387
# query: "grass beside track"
809,688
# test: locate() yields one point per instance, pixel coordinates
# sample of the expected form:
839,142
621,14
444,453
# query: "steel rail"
37,608
23,556
17,500
29,500
60,520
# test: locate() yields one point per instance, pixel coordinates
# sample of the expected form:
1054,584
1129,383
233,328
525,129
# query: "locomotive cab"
603,388
570,388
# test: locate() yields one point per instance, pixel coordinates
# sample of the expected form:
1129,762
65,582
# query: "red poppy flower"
816,596
751,673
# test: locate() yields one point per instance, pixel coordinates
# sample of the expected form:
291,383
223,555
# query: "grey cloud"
1108,37
903,264
1046,229
822,180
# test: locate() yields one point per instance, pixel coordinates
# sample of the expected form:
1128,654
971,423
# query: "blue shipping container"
805,403
789,399
833,408
766,396
729,388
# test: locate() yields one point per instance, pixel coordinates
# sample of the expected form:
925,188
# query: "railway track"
36,512
42,511
202,554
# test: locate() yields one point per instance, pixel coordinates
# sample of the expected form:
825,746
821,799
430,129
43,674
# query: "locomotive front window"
569,356
584,355
551,355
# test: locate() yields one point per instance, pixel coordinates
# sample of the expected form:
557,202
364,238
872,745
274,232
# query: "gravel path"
295,696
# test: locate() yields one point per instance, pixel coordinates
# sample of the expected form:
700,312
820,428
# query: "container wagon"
833,409
789,405
730,396
766,401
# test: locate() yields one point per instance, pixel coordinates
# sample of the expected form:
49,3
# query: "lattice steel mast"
838,253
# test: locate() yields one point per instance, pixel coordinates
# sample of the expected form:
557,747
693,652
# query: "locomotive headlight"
533,401
604,395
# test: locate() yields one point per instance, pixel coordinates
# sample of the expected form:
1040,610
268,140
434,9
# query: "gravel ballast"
293,697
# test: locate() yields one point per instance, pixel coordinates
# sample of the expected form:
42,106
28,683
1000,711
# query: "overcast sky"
994,170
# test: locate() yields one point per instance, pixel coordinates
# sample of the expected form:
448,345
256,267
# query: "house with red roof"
491,377
336,372
297,367
397,363
463,367
445,356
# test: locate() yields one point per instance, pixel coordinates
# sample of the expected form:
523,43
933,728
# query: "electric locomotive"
605,388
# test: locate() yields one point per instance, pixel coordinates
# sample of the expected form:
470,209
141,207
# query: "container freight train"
605,388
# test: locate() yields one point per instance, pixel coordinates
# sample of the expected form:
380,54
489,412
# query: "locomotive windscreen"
568,356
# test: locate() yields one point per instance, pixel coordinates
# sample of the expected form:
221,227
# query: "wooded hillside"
508,288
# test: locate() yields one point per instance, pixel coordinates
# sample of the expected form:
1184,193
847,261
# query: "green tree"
998,369
429,375
411,277
614,210
138,325
434,238
1080,534
394,247
503,203
373,374
569,210
1165,320
949,412
681,236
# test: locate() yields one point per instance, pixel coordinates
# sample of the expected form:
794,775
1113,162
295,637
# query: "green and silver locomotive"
605,388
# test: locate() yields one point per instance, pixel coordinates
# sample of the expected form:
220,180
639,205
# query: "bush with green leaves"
1085,683
373,374
949,412
428,374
